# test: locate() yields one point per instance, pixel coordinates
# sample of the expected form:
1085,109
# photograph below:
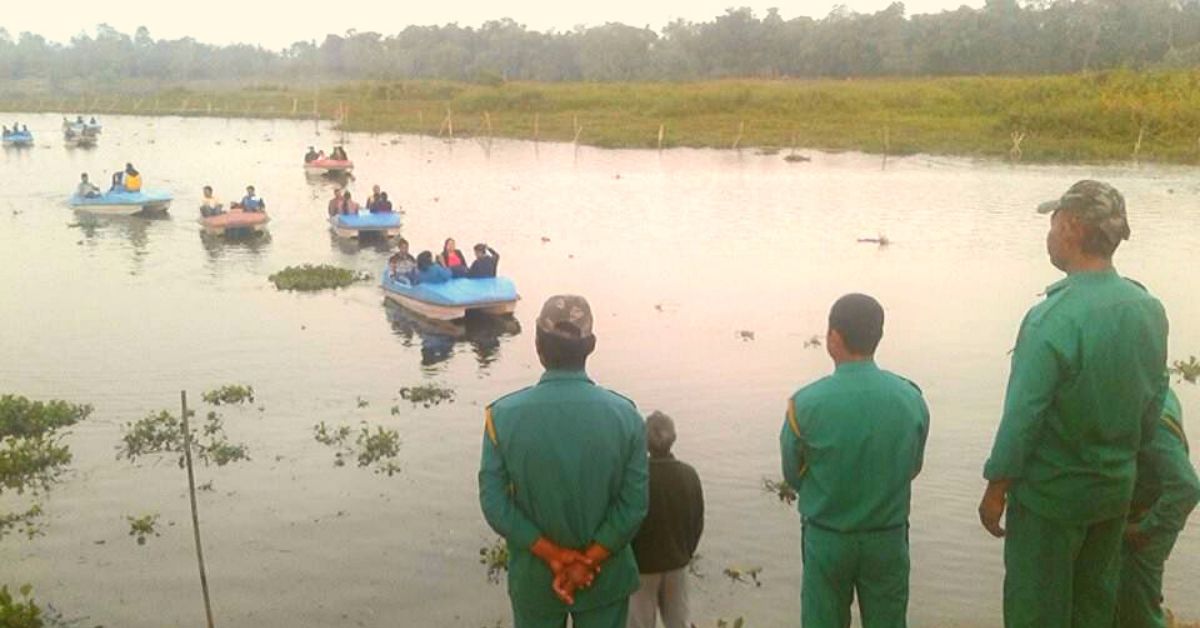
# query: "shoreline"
1103,118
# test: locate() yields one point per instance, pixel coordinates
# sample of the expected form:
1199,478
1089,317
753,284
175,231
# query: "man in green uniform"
563,479
1167,490
851,444
1086,390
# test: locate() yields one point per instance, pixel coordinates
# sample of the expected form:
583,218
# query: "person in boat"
402,264
339,154
210,205
335,203
374,197
486,261
349,205
132,179
25,129
79,120
86,189
380,205
5,132
311,156
93,121
251,202
118,182
453,259
430,271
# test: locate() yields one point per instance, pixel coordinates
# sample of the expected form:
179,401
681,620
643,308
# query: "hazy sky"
275,23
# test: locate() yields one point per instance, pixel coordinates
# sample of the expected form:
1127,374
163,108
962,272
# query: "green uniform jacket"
565,459
851,444
1086,390
1167,488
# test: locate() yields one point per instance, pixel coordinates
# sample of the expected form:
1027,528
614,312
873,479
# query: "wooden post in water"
662,129
578,130
487,120
537,117
741,130
1137,146
295,105
187,456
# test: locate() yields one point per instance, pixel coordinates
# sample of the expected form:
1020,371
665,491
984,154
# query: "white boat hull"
449,312
123,209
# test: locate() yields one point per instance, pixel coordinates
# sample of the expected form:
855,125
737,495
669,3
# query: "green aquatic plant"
495,558
736,623
378,448
19,611
362,403
1188,371
162,433
32,455
143,527
229,394
309,278
427,395
780,489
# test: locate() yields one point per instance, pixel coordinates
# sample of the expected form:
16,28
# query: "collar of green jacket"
856,366
556,375
1090,276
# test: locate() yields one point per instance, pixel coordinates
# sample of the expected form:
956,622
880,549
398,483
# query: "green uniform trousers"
610,616
839,564
1139,598
1059,575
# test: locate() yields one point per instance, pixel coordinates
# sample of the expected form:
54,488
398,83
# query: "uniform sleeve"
791,448
1168,458
696,514
627,510
1031,386
496,496
922,438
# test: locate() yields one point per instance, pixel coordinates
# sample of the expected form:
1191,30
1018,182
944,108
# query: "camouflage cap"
566,316
1096,203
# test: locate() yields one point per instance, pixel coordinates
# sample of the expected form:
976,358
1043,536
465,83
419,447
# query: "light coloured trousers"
665,592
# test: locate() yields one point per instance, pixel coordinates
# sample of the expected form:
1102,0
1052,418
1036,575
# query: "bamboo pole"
662,128
578,130
741,130
1137,146
487,119
450,122
187,455
295,105
537,118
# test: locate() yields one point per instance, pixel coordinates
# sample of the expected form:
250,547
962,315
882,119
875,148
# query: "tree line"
1002,37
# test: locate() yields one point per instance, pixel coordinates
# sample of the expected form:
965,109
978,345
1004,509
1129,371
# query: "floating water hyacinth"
310,278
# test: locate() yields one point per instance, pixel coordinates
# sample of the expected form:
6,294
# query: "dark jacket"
671,531
485,267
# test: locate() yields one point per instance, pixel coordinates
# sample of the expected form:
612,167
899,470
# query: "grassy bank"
1114,116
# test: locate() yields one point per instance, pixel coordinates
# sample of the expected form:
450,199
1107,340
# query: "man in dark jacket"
670,533
486,261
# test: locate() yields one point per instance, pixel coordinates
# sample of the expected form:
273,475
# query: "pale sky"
276,23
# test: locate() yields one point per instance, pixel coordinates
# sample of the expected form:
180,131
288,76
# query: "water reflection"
364,242
135,230
249,240
439,338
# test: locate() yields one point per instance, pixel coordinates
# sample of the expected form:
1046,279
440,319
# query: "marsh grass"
1082,117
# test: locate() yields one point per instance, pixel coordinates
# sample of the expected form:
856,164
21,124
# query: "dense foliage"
32,455
1003,37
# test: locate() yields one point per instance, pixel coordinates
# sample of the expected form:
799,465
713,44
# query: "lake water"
678,252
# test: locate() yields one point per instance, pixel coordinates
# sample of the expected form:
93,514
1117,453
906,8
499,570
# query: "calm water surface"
678,252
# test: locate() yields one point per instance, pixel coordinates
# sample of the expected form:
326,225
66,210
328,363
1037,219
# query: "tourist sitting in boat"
118,182
380,205
210,205
86,189
25,129
311,155
79,120
486,261
6,132
338,154
349,205
453,259
335,203
251,202
429,271
132,180
93,122
402,264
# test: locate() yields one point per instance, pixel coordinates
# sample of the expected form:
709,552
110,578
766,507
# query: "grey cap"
566,316
1096,203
